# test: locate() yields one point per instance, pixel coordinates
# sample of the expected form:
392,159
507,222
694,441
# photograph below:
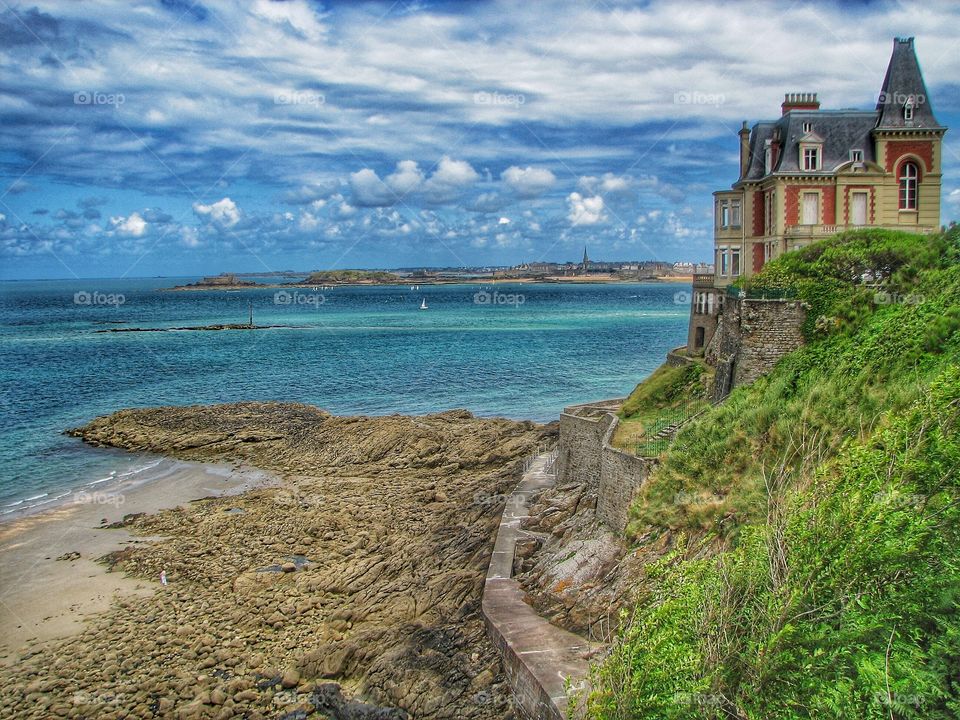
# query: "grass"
667,396
813,520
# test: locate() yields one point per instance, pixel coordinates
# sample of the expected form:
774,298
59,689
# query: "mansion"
812,173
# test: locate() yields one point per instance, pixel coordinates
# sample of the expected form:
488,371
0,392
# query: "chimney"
799,101
744,149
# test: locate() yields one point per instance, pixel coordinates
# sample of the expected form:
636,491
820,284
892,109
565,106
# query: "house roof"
837,131
840,131
903,83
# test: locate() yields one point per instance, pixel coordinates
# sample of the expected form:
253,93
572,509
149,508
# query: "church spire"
586,260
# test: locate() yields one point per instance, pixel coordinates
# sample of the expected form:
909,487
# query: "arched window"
909,174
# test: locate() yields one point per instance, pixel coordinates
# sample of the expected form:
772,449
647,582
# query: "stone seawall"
621,475
586,457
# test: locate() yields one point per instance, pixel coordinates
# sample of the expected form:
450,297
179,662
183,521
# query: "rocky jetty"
350,591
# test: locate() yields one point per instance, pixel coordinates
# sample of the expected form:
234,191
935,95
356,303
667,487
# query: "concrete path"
539,658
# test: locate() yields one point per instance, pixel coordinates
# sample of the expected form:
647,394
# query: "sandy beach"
50,580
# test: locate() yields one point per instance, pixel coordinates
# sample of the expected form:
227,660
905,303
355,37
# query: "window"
908,110
811,208
909,174
856,156
768,205
735,261
767,158
811,158
808,127
698,337
728,213
858,208
723,263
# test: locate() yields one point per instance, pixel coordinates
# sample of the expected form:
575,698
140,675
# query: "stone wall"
586,457
621,475
752,335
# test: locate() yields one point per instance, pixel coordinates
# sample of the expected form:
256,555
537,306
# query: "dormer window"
767,157
856,156
811,158
808,127
908,109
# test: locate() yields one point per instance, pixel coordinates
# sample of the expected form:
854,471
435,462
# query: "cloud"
224,213
585,210
133,225
449,179
306,194
406,178
529,182
18,187
607,185
369,190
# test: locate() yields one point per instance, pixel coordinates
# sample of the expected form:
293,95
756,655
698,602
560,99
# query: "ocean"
521,351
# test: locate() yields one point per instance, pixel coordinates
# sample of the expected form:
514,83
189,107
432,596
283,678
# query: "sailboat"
423,304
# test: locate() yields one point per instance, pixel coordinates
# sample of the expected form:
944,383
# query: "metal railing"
661,432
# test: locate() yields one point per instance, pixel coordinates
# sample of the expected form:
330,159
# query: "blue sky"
180,138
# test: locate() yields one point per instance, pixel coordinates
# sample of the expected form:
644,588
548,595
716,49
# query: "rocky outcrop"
365,568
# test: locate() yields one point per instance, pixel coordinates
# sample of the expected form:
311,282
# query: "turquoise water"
524,353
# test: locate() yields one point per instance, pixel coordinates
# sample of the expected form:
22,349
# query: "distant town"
586,270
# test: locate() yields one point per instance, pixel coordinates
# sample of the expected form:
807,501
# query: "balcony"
825,230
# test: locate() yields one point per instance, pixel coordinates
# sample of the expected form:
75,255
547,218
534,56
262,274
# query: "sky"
181,138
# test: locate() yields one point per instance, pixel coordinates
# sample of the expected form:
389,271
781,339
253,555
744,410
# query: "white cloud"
608,184
449,179
528,182
585,210
406,178
133,225
954,197
223,212
189,236
504,221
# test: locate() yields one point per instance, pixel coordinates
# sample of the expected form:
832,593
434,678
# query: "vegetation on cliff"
348,277
813,519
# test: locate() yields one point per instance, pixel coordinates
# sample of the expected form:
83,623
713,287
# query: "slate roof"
902,81
846,130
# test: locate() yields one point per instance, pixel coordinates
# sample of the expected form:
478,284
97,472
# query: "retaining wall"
752,335
586,457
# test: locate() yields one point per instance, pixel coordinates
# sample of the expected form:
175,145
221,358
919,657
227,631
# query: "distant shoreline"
554,280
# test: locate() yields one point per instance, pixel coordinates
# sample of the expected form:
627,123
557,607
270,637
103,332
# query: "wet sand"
43,598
